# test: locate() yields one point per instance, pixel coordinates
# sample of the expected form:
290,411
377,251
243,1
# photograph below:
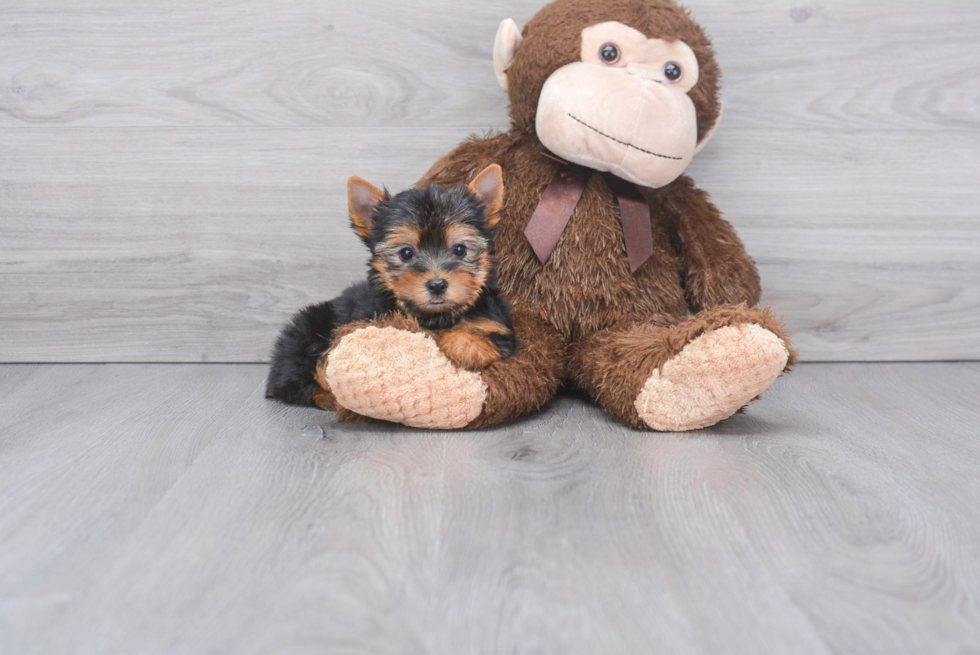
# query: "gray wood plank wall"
172,174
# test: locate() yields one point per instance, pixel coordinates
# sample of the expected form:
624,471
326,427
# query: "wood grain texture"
163,509
171,185
179,245
826,64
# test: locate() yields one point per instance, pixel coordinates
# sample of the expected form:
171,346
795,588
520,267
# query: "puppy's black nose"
437,287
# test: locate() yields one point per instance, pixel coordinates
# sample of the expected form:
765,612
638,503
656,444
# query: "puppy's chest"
587,284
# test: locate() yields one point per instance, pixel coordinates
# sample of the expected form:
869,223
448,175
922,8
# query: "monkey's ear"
362,200
508,40
488,186
711,132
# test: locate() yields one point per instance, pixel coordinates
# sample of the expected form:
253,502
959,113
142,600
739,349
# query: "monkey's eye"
406,254
459,250
610,53
672,71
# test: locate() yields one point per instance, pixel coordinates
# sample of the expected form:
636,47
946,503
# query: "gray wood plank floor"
171,509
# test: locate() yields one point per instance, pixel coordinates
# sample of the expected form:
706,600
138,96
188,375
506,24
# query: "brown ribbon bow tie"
559,200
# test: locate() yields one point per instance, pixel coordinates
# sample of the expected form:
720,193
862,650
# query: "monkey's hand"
393,370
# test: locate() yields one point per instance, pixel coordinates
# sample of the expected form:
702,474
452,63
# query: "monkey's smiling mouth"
628,145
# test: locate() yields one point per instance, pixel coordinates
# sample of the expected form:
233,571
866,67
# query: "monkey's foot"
712,378
395,375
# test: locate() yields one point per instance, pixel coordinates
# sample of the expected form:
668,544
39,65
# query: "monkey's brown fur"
583,316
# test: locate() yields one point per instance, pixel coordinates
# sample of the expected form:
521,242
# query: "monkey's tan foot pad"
395,375
712,378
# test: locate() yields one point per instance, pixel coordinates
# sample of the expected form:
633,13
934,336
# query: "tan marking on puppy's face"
467,282
385,275
397,239
464,288
409,285
475,266
468,236
466,275
395,273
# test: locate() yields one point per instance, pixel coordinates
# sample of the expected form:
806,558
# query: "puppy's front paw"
467,350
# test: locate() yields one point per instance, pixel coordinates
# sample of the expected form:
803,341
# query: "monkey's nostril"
437,287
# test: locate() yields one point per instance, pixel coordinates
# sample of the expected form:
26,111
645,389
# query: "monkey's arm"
717,270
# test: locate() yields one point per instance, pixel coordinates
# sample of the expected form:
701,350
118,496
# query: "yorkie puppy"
432,258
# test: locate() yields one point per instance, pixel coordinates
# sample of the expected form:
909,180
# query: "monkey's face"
624,107
628,87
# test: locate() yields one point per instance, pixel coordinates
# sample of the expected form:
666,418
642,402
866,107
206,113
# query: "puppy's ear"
488,186
362,199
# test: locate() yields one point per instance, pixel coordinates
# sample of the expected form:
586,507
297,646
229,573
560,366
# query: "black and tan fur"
432,259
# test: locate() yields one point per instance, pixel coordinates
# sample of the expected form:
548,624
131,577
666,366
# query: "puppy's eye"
672,71
610,53
406,254
460,250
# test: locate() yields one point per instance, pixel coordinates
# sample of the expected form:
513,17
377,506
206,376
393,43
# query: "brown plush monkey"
625,279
